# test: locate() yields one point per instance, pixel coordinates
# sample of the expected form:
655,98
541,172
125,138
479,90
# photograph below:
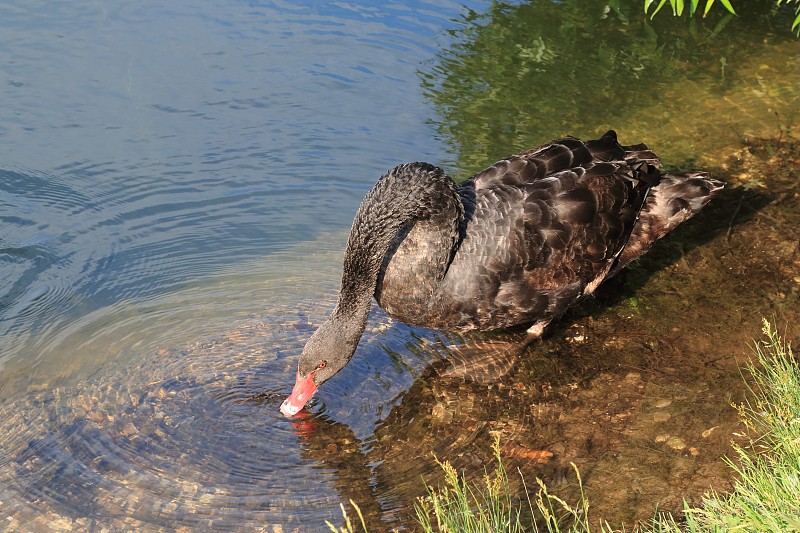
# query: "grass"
765,497
459,507
348,525
693,5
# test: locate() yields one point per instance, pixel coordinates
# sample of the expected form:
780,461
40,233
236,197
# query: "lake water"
176,185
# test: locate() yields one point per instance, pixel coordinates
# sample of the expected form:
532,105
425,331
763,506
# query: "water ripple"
193,437
173,440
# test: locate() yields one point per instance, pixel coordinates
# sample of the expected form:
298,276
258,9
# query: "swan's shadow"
731,208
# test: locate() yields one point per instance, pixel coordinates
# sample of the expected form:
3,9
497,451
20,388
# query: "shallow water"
176,187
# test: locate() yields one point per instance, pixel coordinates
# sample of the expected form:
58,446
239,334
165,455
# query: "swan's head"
325,353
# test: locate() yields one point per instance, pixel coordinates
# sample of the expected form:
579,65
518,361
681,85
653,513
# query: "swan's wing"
564,154
674,200
545,227
556,210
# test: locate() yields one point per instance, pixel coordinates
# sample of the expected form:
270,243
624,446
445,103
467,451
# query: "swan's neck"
411,193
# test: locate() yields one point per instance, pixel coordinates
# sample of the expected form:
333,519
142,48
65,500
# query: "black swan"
516,244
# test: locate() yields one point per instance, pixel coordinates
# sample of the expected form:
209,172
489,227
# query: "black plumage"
515,244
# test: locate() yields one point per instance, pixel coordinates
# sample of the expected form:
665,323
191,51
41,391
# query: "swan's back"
547,226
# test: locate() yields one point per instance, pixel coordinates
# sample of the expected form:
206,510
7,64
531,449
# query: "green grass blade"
658,8
728,6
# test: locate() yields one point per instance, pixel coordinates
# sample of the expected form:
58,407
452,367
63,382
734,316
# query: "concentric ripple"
174,440
193,438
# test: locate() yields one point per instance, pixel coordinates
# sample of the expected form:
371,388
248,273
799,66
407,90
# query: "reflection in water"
524,72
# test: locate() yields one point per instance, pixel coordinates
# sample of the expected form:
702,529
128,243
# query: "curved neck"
408,193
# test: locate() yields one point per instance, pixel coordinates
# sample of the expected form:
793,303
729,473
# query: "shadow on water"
718,219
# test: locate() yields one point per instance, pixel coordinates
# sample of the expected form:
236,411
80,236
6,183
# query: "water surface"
176,186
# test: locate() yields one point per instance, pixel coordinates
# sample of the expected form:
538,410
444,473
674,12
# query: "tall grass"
458,507
678,7
765,497
348,525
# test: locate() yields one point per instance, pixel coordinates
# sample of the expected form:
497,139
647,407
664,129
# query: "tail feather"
674,200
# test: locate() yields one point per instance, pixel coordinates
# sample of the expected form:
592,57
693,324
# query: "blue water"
148,146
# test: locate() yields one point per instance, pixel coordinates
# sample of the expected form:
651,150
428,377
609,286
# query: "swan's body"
516,244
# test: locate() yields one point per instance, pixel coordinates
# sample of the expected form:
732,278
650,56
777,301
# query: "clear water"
150,148
176,185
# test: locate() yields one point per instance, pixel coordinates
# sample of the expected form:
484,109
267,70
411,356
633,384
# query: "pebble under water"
172,440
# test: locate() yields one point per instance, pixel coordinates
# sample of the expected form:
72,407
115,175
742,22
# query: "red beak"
303,390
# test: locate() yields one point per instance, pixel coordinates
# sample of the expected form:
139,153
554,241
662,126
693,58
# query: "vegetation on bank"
766,494
764,497
681,6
